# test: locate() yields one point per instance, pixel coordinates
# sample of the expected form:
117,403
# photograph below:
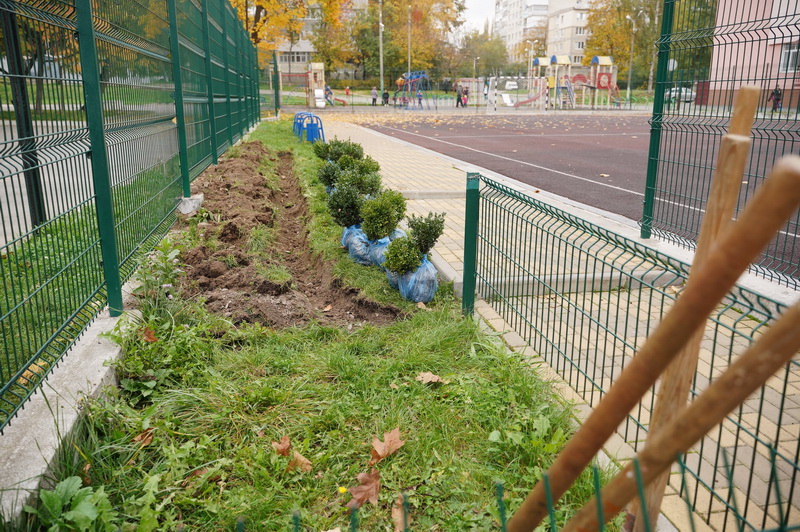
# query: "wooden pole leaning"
673,392
770,353
737,246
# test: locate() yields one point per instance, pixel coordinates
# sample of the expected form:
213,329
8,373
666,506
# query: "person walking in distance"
459,96
775,97
374,96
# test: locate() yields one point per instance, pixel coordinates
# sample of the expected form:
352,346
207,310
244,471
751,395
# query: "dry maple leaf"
149,335
367,490
283,446
381,449
327,308
299,461
193,474
427,377
400,524
145,438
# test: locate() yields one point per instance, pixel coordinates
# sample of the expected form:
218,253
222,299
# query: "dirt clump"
233,270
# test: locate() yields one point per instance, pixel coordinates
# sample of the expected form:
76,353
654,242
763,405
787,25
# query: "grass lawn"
187,440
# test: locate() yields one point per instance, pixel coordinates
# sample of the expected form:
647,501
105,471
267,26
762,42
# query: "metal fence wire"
707,50
109,109
585,299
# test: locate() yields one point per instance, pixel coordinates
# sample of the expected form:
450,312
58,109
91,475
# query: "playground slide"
529,100
507,100
343,102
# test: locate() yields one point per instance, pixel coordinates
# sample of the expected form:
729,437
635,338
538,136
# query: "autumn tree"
331,34
271,22
610,34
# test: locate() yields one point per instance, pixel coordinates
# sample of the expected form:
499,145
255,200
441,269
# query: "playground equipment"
315,82
603,79
412,90
310,125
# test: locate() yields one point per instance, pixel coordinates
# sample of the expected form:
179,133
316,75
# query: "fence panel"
585,299
706,52
90,132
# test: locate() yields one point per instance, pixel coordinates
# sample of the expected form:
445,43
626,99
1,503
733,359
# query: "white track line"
559,172
539,135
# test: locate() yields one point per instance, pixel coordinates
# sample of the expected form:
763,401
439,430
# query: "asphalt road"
592,159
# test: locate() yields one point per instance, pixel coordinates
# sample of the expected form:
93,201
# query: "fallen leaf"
87,480
337,529
427,377
282,447
299,461
400,524
421,305
603,175
367,490
145,438
390,444
149,335
393,386
327,308
193,474
260,433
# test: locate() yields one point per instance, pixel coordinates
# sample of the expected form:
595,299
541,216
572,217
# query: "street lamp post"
409,47
630,65
531,44
380,41
475,76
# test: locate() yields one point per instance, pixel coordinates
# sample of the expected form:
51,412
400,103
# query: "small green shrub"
367,184
329,173
368,165
402,256
346,162
382,214
321,149
344,204
338,148
71,507
426,231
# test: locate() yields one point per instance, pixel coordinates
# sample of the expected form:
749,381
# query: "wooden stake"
772,351
730,255
673,392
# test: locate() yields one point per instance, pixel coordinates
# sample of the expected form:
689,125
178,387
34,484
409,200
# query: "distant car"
683,94
511,85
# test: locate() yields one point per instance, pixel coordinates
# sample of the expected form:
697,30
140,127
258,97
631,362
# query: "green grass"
214,396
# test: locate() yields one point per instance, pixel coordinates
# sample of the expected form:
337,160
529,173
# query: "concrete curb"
30,443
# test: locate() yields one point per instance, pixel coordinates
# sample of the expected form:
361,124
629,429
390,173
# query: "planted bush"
367,184
344,204
402,256
426,231
381,215
329,173
321,149
338,148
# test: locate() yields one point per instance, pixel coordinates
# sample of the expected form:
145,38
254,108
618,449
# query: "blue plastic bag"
393,278
421,284
358,248
397,233
348,233
377,251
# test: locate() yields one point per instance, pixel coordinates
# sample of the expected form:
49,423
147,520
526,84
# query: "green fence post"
212,121
100,175
22,117
664,45
180,117
276,82
470,243
227,66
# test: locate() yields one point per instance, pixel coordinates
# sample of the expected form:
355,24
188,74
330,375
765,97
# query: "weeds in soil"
194,448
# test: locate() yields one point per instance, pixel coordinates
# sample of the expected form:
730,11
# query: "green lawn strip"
196,449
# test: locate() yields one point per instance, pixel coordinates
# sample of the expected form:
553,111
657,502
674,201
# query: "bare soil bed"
225,271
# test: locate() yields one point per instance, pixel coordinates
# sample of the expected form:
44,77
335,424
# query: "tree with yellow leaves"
271,22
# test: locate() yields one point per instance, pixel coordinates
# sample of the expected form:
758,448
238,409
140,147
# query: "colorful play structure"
412,91
555,83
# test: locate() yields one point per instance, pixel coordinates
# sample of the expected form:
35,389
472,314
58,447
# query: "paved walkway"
541,327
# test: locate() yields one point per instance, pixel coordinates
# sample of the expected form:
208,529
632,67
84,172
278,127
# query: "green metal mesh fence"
707,50
100,140
585,299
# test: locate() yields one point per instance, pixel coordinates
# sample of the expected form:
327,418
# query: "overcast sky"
477,13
